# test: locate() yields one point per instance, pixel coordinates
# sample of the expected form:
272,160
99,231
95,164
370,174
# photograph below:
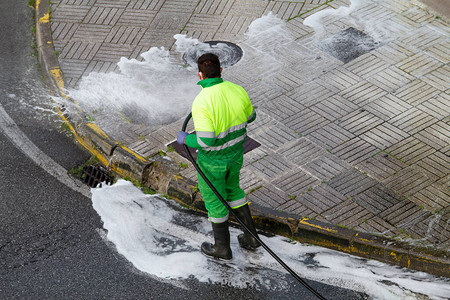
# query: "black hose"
255,236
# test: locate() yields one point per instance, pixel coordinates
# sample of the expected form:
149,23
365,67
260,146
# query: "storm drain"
228,53
94,176
348,44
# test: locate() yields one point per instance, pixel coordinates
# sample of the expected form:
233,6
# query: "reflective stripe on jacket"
221,112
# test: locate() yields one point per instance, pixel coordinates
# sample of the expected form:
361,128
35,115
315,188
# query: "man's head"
208,66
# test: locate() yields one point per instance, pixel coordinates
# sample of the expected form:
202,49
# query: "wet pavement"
353,105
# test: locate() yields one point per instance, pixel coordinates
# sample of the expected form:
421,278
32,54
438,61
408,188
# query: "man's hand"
181,136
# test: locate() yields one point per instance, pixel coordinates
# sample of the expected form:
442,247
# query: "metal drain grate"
348,44
94,176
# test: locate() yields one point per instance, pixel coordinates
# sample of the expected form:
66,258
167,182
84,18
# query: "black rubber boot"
246,241
221,247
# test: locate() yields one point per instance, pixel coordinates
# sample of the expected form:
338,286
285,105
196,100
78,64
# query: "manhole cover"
348,44
249,145
228,53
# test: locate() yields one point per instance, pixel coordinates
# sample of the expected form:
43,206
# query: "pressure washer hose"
255,236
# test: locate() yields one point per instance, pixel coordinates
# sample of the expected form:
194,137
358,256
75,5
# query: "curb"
163,175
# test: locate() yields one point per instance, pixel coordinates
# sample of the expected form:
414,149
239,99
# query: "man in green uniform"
221,112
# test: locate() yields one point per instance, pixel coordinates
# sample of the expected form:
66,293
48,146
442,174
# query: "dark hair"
209,65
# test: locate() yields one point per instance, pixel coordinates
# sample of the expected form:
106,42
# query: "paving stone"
338,79
269,196
413,121
408,181
351,182
355,151
214,7
416,92
284,10
435,165
434,227
302,151
439,78
137,18
410,150
298,29
115,3
363,93
178,6
326,166
394,52
260,92
402,214
305,122
377,225
296,182
377,199
103,15
384,135
146,4
347,213
423,37
63,31
271,166
169,21
381,166
92,33
391,79
334,107
282,107
438,107
70,13
275,136
158,38
366,66
419,16
440,51
310,93
320,198
113,52
204,22
437,136
359,121
330,136
80,50
73,67
253,8
249,181
387,107
419,64
294,207
433,198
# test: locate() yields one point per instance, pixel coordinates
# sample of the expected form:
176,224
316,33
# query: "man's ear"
200,75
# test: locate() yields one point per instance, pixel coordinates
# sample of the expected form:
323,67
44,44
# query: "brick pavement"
362,144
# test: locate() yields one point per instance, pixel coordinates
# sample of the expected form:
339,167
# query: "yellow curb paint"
134,154
44,19
57,76
97,129
304,221
49,42
37,4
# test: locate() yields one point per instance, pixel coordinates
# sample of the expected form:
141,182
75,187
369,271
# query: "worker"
221,112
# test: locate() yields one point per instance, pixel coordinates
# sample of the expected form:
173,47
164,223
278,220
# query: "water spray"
255,236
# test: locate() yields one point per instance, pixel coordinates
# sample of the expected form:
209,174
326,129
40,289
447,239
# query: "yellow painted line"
44,19
304,221
57,76
37,4
98,130
134,154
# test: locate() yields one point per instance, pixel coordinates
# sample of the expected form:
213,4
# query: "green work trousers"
224,175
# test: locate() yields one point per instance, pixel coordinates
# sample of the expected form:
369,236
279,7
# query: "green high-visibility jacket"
221,112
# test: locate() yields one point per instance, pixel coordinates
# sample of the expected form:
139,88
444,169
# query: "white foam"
155,239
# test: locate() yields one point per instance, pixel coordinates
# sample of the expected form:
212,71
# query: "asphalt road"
50,246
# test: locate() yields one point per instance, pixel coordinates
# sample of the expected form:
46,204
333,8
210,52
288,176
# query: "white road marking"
24,144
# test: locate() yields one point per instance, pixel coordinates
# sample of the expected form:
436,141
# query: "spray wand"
255,236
